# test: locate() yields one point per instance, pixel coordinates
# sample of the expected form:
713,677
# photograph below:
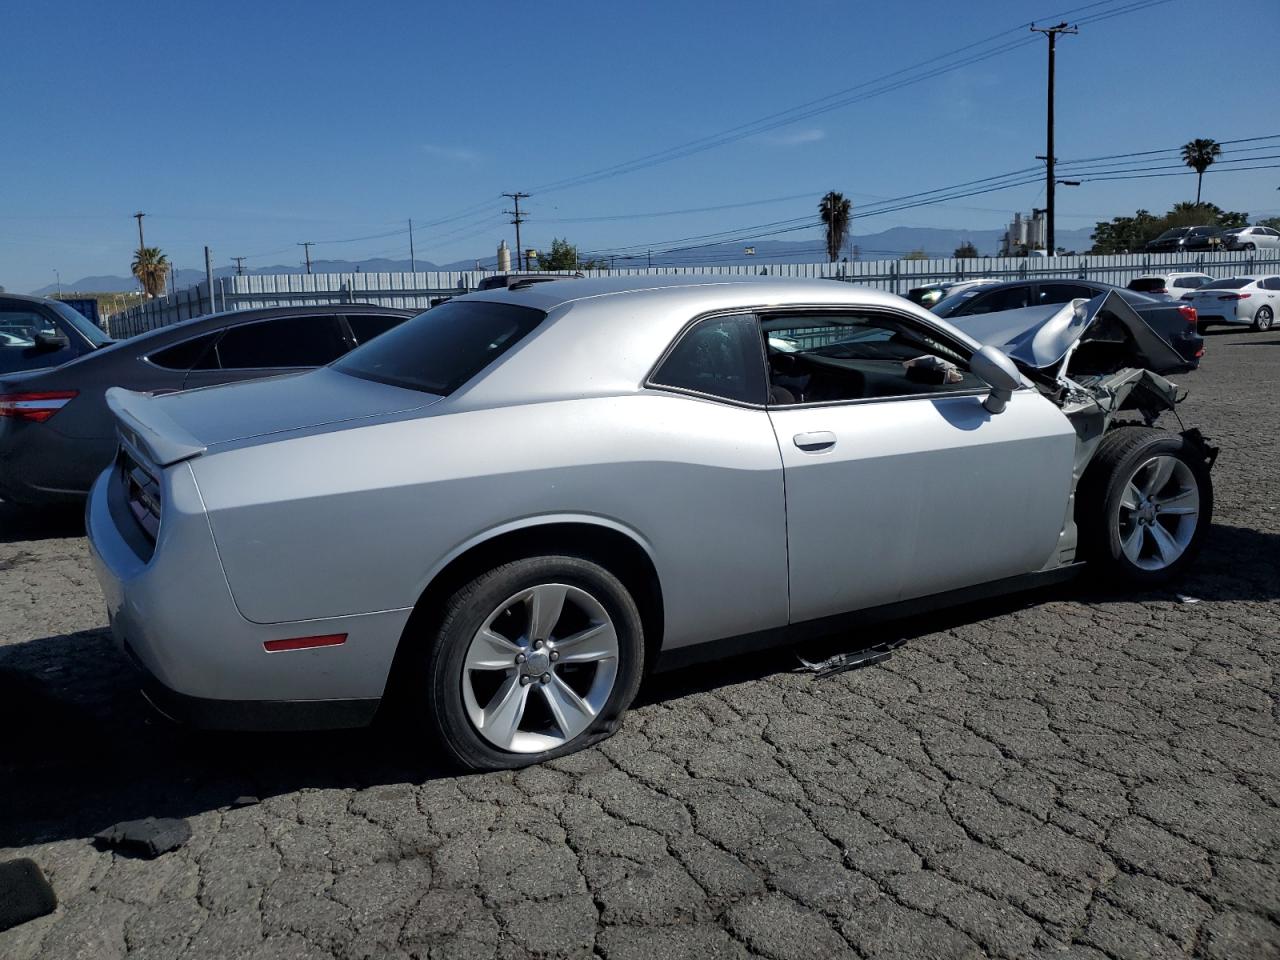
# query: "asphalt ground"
1074,773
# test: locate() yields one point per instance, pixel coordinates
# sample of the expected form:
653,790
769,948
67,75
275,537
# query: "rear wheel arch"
620,553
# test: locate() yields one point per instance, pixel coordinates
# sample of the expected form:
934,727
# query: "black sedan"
1175,322
56,434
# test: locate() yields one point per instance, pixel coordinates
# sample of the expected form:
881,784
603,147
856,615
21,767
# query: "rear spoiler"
141,423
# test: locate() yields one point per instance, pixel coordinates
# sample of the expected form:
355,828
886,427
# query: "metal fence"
423,290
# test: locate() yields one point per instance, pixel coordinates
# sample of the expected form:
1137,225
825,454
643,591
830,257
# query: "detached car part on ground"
57,435
499,515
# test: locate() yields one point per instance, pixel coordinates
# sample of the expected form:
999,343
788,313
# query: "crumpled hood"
177,426
1039,337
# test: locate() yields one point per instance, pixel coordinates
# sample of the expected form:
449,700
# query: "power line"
933,66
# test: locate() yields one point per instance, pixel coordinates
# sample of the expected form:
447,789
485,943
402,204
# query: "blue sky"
252,126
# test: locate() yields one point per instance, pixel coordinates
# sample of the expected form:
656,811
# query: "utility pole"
239,266
516,218
208,276
306,247
1050,159
141,246
413,264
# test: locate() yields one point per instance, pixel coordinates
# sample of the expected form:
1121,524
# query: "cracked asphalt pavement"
1074,773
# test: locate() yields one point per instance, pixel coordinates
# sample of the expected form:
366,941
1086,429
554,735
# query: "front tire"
1262,319
535,659
1144,505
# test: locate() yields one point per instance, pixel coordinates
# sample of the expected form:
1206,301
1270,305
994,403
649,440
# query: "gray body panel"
309,520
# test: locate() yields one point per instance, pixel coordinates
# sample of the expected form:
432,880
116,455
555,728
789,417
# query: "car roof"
757,290
25,298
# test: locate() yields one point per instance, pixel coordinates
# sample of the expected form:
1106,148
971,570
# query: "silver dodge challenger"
501,514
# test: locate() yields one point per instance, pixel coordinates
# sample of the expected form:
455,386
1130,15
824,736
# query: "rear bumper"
171,611
209,714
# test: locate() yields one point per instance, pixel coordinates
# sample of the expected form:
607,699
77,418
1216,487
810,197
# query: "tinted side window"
187,355
720,357
285,342
366,326
1064,292
1010,298
18,348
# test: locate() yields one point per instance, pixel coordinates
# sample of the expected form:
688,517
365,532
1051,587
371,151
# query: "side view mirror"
995,369
47,342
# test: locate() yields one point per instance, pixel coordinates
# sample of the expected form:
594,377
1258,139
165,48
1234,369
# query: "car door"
21,326
898,483
263,348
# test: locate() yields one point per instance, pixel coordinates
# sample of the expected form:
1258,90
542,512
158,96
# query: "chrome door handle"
815,442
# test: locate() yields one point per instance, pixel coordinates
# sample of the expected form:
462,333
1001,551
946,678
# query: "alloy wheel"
1262,319
540,668
1158,512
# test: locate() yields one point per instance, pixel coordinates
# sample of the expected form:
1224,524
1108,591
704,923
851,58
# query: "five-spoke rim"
555,639
1158,512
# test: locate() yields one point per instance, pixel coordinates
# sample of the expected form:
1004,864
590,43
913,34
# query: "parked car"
1172,285
1251,238
56,434
503,512
1175,322
1178,239
931,293
1238,300
37,333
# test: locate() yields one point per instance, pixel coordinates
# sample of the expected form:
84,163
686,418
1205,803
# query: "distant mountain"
888,244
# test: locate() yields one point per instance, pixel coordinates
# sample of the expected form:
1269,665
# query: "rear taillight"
1189,314
1235,296
35,407
142,493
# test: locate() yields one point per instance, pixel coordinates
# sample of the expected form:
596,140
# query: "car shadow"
90,752
20,522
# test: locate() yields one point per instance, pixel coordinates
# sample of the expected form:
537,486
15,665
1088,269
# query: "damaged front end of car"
1097,360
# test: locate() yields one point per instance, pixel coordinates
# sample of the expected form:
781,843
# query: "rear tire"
1144,506
1262,319
573,637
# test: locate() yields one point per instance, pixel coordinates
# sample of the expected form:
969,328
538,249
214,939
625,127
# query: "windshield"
1175,232
84,326
1204,232
947,305
1234,283
440,350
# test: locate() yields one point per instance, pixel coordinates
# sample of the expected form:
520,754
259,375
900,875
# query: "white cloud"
457,154
796,137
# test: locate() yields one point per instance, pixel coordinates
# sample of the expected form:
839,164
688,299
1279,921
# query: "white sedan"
1251,301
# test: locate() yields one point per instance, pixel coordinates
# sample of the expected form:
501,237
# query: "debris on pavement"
24,893
843,662
149,837
1183,598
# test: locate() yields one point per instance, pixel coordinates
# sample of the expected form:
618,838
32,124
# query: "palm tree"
836,212
151,267
1199,156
